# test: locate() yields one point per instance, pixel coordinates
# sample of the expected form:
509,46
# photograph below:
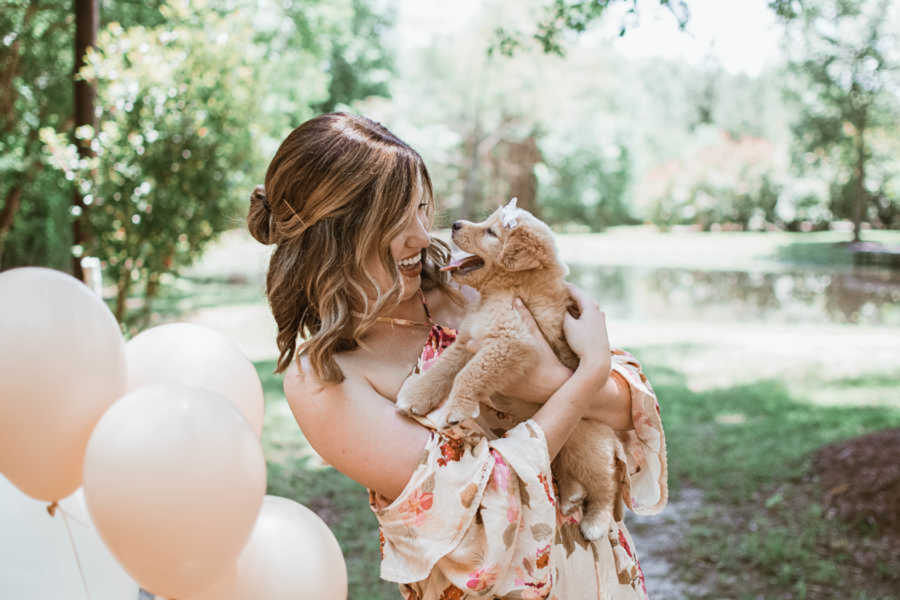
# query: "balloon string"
73,517
74,549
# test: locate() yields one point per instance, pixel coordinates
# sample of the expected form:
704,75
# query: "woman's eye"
423,205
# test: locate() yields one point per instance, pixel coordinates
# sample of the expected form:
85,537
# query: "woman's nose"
419,233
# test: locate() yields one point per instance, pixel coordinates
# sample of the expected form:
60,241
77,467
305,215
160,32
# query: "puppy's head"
510,241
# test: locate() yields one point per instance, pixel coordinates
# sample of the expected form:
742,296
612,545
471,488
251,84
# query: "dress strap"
407,322
425,306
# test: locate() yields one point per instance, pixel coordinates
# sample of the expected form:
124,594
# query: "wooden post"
87,17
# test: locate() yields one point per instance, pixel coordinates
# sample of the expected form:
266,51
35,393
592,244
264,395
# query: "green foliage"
192,98
35,91
565,17
587,186
847,63
317,56
173,149
36,60
358,67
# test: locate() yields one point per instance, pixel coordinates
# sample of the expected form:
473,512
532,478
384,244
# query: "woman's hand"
549,373
587,337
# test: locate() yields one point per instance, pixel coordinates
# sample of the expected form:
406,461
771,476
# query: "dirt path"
657,537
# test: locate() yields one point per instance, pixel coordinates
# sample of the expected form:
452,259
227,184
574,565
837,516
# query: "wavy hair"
338,190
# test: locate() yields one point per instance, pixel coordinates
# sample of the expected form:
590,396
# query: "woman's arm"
356,430
613,404
567,406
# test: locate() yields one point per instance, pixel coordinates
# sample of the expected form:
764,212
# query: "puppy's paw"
571,495
414,397
452,413
597,520
595,526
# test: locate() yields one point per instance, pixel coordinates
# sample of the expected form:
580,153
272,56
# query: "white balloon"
198,357
291,554
63,365
174,479
38,562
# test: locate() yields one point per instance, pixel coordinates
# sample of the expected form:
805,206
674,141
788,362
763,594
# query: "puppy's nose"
457,226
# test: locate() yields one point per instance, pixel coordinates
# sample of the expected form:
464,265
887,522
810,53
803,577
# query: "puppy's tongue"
459,262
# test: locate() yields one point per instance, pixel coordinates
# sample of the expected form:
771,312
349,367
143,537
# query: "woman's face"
407,251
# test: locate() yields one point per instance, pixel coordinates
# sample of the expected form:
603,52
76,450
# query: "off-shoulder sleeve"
480,511
643,449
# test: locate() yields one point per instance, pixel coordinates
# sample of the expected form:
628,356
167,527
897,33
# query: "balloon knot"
51,508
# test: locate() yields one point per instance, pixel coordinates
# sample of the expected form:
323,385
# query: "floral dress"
480,517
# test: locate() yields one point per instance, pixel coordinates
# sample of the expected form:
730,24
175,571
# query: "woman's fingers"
582,299
587,333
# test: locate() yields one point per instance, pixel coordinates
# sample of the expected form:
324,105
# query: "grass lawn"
745,250
764,531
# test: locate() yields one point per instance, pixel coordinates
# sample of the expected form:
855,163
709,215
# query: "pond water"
866,296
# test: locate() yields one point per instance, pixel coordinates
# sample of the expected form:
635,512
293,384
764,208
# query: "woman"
464,515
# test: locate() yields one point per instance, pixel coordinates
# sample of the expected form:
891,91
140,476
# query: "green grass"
827,248
763,528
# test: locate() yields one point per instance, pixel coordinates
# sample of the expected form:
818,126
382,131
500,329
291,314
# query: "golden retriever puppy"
513,254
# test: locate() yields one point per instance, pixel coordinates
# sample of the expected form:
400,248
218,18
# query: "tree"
847,92
173,149
36,67
565,17
35,91
185,124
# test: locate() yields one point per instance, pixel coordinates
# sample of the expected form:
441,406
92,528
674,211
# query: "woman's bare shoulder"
304,389
354,428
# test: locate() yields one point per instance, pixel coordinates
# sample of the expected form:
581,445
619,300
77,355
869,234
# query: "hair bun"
259,217
259,194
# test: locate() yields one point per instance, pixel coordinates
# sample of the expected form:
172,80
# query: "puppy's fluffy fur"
514,254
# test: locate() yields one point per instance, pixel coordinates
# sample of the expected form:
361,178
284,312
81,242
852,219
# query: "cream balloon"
174,479
63,365
198,357
291,554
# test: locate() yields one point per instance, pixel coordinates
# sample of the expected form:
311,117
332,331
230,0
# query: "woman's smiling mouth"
411,266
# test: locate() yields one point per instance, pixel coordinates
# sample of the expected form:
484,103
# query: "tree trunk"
522,158
859,202
8,213
87,16
472,188
122,288
150,291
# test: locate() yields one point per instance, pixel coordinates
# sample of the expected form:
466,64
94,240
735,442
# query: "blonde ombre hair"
338,190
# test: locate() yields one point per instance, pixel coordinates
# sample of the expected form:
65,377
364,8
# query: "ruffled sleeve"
643,449
481,512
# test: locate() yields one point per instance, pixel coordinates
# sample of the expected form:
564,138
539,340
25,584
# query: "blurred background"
724,177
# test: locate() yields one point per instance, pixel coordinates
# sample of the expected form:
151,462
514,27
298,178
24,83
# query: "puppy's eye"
491,232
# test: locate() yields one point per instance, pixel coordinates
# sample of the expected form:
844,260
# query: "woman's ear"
521,251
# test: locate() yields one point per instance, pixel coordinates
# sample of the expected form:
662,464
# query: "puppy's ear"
521,251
